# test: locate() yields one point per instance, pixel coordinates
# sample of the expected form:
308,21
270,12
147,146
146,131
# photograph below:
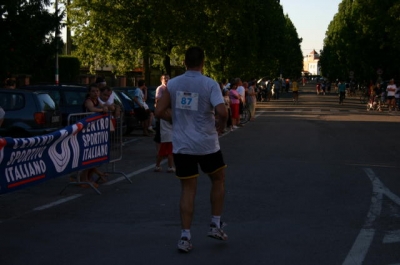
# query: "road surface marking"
360,247
392,237
46,206
363,241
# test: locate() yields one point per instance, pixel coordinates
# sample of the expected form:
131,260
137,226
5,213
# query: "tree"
362,37
27,45
240,38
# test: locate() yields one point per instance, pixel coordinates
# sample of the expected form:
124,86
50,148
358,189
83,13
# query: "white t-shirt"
391,90
109,101
165,131
193,100
160,91
241,92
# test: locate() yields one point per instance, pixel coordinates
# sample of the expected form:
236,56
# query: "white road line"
360,247
46,206
260,113
392,237
363,241
133,173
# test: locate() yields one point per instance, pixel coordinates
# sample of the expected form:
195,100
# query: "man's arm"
163,108
222,117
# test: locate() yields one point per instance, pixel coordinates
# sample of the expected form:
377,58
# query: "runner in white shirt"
192,99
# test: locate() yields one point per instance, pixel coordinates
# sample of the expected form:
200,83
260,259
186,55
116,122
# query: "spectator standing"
328,86
105,94
391,92
295,91
323,87
251,100
157,138
269,84
141,112
287,85
101,82
193,98
318,87
92,104
277,88
159,92
242,92
342,91
234,98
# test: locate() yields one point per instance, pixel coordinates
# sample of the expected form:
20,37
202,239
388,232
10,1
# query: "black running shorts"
187,165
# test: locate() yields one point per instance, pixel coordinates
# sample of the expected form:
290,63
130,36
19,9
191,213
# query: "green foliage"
362,37
26,45
246,38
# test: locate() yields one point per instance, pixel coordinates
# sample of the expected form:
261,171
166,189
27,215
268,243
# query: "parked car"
129,114
28,113
71,98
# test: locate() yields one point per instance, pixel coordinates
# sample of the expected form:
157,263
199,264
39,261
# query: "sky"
311,19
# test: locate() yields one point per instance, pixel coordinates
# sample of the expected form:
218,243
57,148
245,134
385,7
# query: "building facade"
311,64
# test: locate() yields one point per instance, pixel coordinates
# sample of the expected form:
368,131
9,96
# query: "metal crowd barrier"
115,152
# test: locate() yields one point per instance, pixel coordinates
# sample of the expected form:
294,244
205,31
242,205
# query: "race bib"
187,100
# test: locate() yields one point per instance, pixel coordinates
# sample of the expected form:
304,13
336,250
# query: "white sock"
186,233
216,220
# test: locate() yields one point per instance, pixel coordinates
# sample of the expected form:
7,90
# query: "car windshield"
74,98
125,96
130,92
46,102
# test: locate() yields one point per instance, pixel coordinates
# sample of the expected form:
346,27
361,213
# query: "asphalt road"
313,183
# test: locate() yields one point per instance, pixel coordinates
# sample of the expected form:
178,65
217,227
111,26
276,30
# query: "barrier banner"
28,161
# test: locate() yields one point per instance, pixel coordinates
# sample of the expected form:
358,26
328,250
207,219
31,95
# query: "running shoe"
171,170
234,127
157,169
216,232
184,245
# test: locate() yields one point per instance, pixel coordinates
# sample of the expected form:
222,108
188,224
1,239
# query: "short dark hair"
105,88
141,82
194,57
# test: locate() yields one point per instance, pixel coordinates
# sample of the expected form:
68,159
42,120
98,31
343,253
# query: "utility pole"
69,44
57,41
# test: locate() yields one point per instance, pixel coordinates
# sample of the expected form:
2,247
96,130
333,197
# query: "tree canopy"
362,38
247,38
27,45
